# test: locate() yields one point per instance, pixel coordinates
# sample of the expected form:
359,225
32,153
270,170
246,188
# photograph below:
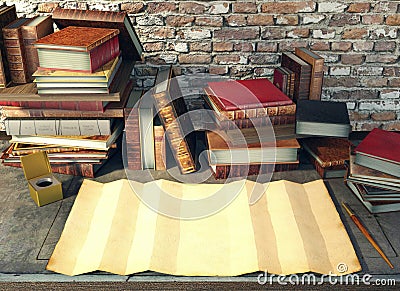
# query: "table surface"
28,234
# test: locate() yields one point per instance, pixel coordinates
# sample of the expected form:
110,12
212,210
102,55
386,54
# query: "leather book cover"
7,15
247,94
281,80
131,47
290,83
315,111
381,144
317,71
159,148
302,72
37,28
328,151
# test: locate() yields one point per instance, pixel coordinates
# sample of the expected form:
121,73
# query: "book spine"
317,72
235,171
159,148
302,76
280,80
257,122
88,15
3,76
57,105
15,55
132,134
6,17
104,53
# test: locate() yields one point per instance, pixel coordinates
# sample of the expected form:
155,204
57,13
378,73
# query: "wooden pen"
365,232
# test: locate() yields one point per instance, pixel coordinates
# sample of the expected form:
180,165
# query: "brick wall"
244,39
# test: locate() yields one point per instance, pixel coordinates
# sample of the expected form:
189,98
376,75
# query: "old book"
159,148
47,126
20,149
281,79
323,118
170,105
129,41
288,109
112,109
235,171
100,142
278,232
379,151
317,71
255,122
75,48
302,72
291,82
7,15
35,29
13,42
225,149
328,155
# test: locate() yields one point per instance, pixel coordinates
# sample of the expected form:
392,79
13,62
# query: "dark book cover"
328,112
281,79
7,15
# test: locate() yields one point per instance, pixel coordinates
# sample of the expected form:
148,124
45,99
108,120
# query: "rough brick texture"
245,39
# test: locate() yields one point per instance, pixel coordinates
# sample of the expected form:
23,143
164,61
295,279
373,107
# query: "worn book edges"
35,29
317,71
129,41
328,155
281,79
77,48
380,151
7,15
302,71
170,105
323,118
15,50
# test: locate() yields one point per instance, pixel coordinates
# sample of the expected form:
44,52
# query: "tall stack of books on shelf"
374,171
74,108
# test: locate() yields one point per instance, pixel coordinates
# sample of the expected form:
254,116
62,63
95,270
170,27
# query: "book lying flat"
379,150
322,118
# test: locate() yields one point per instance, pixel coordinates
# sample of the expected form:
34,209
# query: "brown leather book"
7,15
13,42
159,147
317,71
130,44
37,28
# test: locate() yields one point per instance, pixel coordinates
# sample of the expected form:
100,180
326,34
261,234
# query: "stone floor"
28,234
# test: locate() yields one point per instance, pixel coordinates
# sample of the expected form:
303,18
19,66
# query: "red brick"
191,8
223,46
358,116
363,46
264,72
263,59
218,70
47,7
240,71
374,82
200,46
298,33
343,46
194,59
227,59
179,21
393,19
381,46
287,20
395,125
342,19
347,82
361,7
385,6
268,47
260,19
355,94
379,58
244,7
243,47
209,21
372,19
391,71
153,46
394,82
160,7
273,33
236,33
383,116
157,32
355,33
132,7
352,59
236,20
370,126
289,45
288,7
320,46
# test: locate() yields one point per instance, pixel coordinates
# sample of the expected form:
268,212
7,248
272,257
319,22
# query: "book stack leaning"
81,87
374,171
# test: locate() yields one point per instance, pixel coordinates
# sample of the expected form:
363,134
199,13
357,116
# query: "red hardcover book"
247,94
381,146
281,80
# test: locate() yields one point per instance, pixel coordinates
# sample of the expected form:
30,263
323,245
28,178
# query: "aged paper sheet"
293,228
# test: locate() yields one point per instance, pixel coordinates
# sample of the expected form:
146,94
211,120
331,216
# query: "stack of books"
374,171
75,107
